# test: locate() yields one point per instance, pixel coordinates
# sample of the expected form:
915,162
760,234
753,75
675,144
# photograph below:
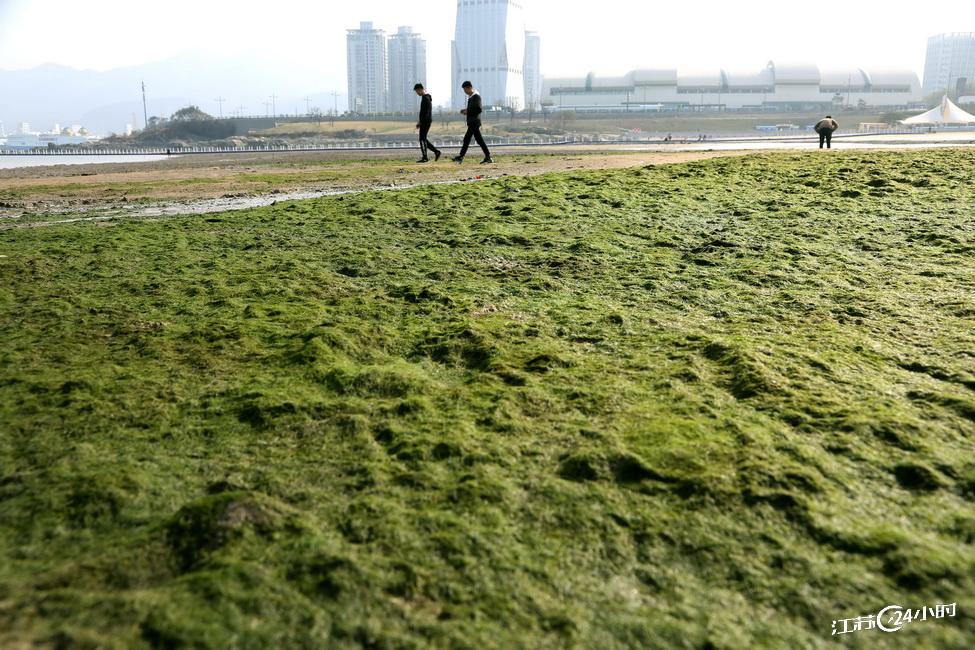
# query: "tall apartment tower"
951,57
407,67
368,80
489,50
533,71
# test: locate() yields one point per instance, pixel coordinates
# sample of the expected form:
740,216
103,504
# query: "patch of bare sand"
98,187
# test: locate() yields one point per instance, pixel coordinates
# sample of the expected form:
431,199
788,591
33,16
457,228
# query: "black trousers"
826,137
425,144
474,132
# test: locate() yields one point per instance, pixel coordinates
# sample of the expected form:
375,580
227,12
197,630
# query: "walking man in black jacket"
473,113
426,121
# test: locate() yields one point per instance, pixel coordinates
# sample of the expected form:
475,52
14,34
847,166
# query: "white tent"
946,113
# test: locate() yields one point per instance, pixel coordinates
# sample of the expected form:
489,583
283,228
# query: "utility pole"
220,101
145,105
307,105
274,108
267,109
335,103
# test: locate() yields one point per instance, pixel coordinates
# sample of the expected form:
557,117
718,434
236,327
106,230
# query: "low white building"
785,87
43,140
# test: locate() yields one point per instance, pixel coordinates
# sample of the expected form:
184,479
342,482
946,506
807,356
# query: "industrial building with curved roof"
781,86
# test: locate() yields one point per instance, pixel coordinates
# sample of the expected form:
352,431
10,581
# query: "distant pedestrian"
473,113
825,128
426,121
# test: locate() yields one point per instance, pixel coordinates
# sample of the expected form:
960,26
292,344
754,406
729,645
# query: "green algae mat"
723,404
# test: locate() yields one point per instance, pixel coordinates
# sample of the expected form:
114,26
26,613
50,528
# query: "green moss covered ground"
711,405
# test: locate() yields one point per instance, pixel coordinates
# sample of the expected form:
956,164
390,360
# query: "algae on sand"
718,404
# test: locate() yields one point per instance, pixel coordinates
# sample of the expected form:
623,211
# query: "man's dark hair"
418,87
467,84
829,117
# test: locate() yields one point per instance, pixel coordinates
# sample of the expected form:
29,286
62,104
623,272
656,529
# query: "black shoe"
488,161
436,156
458,159
423,160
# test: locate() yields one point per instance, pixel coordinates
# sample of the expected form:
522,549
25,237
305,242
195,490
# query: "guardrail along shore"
535,141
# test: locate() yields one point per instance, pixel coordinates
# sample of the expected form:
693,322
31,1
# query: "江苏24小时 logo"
893,619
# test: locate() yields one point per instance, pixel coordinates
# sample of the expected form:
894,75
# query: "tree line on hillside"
188,123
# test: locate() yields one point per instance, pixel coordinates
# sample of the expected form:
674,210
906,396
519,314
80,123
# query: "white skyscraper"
367,69
489,50
950,57
407,67
533,70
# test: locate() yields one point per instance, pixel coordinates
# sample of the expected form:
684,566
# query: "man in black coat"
426,121
473,113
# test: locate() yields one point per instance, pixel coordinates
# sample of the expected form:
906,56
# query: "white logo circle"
880,619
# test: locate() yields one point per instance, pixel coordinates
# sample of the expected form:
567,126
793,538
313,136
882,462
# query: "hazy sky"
613,37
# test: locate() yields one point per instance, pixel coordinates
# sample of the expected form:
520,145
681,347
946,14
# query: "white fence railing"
494,141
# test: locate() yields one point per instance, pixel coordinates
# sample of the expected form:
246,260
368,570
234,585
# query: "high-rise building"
367,69
407,67
489,51
951,58
533,71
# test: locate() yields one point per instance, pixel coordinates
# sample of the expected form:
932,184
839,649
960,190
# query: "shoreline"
680,143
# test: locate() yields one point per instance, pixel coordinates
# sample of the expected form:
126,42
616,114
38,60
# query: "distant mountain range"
105,102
